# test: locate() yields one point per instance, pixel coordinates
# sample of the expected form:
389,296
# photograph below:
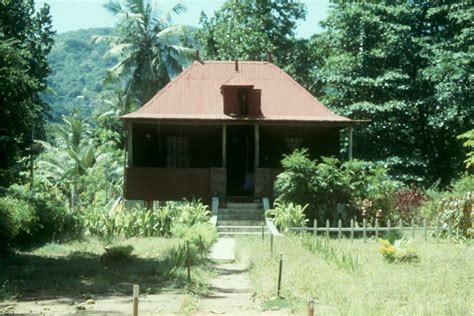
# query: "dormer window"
242,95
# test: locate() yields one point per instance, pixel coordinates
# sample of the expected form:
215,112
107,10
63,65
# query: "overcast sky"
69,15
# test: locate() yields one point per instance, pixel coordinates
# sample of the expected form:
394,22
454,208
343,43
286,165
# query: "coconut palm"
147,46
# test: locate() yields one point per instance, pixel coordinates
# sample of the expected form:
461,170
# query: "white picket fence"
376,229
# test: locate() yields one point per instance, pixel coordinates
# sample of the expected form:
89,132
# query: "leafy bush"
200,236
453,208
285,213
398,251
393,235
408,202
193,212
361,186
32,218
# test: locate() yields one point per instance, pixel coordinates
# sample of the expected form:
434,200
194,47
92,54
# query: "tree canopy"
406,67
25,41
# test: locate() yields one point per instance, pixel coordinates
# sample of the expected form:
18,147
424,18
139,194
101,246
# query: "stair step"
254,229
240,223
240,233
240,211
235,205
236,217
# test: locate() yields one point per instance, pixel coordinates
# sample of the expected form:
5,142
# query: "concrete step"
246,222
248,229
226,211
235,205
237,217
230,234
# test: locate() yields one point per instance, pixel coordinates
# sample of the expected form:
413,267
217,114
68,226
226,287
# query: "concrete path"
231,292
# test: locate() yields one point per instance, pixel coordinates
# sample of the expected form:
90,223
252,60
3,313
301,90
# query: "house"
220,129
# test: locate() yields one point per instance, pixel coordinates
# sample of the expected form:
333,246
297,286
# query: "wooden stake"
425,230
352,230
339,232
136,291
412,228
279,275
327,228
263,232
188,263
364,227
311,308
376,230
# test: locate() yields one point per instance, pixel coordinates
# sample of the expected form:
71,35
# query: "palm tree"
147,45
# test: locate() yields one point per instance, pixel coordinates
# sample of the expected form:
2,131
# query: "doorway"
240,160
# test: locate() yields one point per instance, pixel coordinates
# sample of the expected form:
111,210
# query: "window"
178,151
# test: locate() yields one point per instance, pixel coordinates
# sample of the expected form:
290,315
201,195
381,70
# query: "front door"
240,160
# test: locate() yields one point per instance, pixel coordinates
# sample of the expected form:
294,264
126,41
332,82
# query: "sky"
70,15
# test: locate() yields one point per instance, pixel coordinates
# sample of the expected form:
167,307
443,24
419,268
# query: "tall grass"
440,284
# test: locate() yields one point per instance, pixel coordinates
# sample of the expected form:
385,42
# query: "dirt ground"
230,295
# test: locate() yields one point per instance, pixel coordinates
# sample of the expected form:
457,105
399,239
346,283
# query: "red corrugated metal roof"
196,95
238,80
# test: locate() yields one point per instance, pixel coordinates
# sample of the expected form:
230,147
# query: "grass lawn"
78,269
441,283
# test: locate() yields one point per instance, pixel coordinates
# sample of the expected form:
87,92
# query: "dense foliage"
78,69
352,188
407,67
25,41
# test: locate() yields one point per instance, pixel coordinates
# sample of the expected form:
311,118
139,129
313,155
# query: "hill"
78,70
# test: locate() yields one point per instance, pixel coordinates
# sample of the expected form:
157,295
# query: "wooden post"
303,227
400,225
136,291
425,230
310,308
327,228
389,225
257,146
263,232
271,244
279,275
376,229
339,232
437,230
350,143
450,230
364,227
224,146
412,228
315,227
352,230
188,263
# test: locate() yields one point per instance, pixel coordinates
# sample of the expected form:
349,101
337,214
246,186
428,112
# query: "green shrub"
33,218
193,212
453,208
287,213
393,235
360,185
200,236
117,254
400,250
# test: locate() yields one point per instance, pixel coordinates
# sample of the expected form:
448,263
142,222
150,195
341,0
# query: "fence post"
271,245
425,230
310,308
450,230
263,232
136,291
376,229
315,227
412,228
389,224
339,226
188,263
303,227
327,228
437,230
352,230
400,226
364,229
279,275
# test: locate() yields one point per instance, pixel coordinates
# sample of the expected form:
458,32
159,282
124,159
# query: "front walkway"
231,290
